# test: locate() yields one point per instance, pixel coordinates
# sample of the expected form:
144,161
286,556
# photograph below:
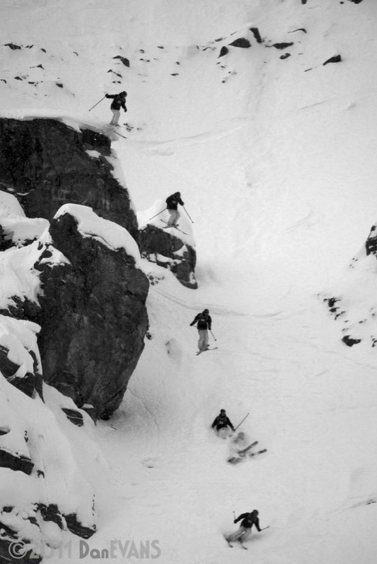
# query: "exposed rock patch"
170,252
241,42
354,305
335,59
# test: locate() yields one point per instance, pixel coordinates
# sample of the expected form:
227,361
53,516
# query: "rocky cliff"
90,306
353,303
72,314
169,251
46,164
168,247
93,314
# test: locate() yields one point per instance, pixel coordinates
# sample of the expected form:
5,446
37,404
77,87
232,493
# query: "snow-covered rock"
93,314
46,164
170,248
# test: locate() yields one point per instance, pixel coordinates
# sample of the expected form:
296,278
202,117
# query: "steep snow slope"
275,162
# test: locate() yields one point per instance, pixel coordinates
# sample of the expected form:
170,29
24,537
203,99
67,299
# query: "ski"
120,135
244,451
205,350
172,227
231,546
259,452
241,454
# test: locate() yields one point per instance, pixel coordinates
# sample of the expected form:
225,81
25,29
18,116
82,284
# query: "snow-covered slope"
274,158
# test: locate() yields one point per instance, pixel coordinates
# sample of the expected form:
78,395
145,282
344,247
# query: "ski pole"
242,421
264,528
213,335
188,214
97,103
234,516
157,214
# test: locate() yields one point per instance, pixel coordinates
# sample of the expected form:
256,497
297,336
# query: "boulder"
169,251
93,317
47,164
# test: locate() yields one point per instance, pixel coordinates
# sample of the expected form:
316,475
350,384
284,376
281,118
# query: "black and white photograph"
188,281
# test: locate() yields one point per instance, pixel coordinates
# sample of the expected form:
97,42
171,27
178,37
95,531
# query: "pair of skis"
173,226
240,539
207,349
242,453
114,128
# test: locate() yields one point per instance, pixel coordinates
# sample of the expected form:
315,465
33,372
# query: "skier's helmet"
222,411
205,310
124,93
255,512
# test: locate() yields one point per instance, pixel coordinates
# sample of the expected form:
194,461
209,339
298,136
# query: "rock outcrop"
354,303
92,307
72,314
168,251
93,316
47,164
36,462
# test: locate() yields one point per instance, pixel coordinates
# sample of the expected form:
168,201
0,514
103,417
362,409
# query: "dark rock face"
241,42
124,60
44,164
15,461
356,310
256,33
14,549
21,308
335,59
92,313
74,416
223,51
74,525
282,46
155,244
93,319
32,381
371,242
349,341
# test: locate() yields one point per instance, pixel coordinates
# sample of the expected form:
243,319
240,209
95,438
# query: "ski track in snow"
167,148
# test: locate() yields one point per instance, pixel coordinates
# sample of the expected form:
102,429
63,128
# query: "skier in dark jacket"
172,206
222,421
119,101
204,323
248,520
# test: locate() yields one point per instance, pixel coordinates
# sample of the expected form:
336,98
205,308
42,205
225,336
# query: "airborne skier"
172,207
119,101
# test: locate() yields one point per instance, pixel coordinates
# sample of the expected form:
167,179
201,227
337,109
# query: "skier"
119,101
172,206
243,533
222,422
204,322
